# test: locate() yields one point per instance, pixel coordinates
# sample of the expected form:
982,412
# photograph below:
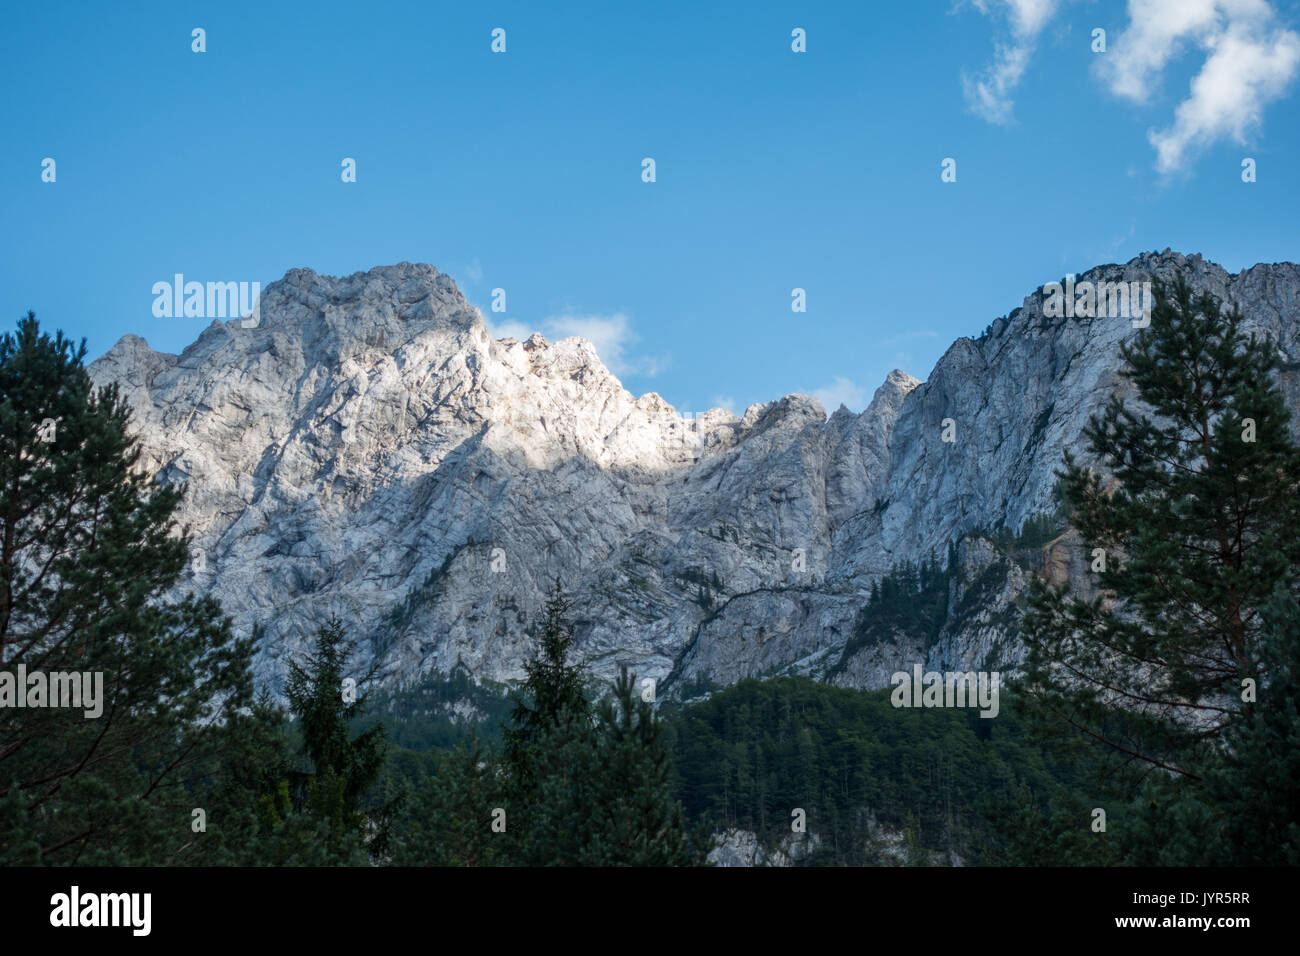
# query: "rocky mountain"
369,450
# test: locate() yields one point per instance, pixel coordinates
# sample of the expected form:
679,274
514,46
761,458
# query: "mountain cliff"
369,450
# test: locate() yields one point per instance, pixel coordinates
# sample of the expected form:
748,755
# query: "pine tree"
88,550
238,786
1194,524
1197,523
1254,787
452,816
1245,808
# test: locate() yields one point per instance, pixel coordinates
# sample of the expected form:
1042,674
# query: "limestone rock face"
369,450
742,848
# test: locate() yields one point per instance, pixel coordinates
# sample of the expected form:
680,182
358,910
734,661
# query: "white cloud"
841,391
1028,17
726,403
610,335
474,271
1155,33
508,329
989,93
1250,59
989,96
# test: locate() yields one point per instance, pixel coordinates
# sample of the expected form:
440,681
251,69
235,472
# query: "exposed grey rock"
369,450
742,848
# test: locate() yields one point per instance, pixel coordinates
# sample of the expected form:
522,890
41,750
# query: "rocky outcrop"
743,848
369,450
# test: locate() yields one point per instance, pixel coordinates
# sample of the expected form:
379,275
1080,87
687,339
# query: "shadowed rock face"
369,450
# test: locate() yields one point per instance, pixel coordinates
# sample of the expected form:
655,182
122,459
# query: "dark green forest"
1154,722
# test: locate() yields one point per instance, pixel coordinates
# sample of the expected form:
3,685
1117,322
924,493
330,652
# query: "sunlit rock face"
369,450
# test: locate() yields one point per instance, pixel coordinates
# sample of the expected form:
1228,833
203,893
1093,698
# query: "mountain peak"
405,292
369,450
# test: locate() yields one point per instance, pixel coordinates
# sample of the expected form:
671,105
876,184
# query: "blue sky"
522,170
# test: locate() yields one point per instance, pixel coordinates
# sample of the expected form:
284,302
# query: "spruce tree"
552,691
342,769
604,793
581,786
